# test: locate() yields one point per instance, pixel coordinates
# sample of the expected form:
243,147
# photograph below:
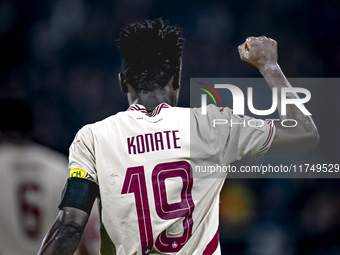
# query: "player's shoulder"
119,117
163,110
91,130
212,111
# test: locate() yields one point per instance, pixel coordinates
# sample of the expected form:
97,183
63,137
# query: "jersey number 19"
135,183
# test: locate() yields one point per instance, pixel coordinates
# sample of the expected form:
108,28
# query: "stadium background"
60,57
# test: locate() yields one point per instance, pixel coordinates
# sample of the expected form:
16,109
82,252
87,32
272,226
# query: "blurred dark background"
60,57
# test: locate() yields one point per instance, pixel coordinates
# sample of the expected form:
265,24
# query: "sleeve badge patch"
77,172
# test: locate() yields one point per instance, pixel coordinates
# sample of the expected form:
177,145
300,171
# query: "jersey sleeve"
82,156
249,136
233,136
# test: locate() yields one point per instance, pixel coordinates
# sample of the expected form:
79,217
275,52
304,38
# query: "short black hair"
151,53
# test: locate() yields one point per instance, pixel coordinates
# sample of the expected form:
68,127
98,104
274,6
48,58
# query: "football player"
32,176
140,163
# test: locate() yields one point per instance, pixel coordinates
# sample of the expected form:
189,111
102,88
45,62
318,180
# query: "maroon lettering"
175,139
159,140
153,142
149,137
131,145
167,138
140,144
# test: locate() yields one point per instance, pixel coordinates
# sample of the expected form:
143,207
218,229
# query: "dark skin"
261,53
168,94
64,236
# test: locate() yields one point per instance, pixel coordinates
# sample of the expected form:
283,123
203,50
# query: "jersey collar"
141,108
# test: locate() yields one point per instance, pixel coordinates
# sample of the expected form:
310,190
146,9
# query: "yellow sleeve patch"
77,172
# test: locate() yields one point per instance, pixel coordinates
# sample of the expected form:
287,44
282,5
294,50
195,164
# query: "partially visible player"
90,242
32,177
140,162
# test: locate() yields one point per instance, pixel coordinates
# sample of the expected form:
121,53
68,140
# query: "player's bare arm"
65,234
261,53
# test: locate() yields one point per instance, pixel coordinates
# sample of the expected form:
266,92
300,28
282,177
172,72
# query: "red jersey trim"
141,108
212,245
265,146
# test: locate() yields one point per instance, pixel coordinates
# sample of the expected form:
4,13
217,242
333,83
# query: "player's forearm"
65,234
304,135
63,241
276,79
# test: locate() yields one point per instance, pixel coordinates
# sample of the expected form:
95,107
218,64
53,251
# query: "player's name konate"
153,142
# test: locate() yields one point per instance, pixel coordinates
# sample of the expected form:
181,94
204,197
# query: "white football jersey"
153,200
32,178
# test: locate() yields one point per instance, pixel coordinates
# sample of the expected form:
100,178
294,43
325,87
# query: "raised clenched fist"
259,51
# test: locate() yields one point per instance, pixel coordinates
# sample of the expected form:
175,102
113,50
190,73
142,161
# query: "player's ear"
122,81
